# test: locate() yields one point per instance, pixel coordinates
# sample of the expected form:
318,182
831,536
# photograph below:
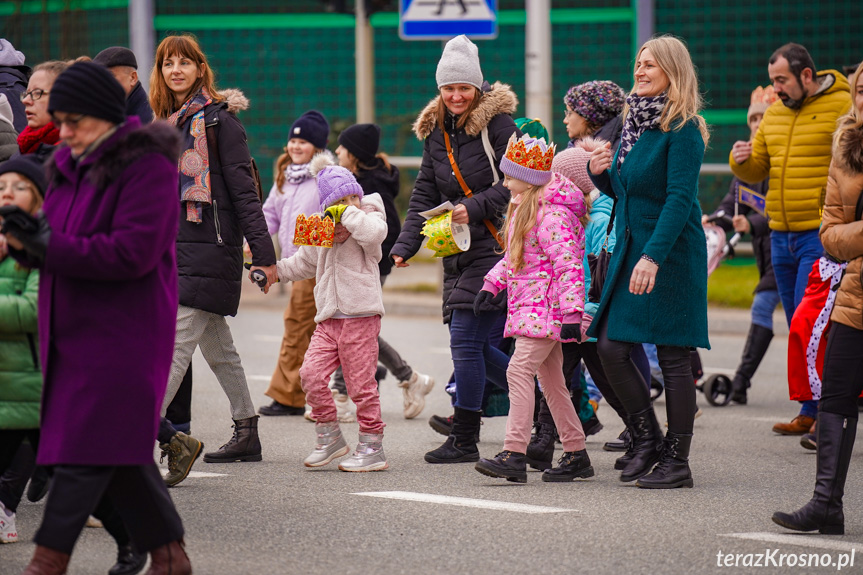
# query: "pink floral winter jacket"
549,289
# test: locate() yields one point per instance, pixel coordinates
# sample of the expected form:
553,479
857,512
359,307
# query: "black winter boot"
128,561
443,425
621,462
460,446
243,446
836,434
622,443
540,450
507,465
572,465
673,467
756,346
646,444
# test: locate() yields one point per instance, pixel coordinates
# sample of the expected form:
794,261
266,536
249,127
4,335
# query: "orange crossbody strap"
494,232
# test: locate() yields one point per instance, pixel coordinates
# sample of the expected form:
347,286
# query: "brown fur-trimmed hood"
849,150
235,99
499,100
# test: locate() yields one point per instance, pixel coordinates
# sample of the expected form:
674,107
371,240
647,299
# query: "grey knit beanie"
459,64
9,56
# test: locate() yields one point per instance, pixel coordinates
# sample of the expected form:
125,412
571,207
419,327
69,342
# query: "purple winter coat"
108,297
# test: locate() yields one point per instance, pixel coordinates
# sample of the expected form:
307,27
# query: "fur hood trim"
499,100
849,150
590,144
235,99
156,138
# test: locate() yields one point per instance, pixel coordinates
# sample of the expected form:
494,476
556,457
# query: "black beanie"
311,127
90,89
362,140
116,56
28,166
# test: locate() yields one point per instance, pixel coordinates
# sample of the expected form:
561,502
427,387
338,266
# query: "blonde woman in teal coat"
656,287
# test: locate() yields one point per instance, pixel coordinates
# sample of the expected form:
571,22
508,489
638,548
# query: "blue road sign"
444,19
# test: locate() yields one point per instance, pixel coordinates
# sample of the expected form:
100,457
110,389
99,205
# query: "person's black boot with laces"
243,446
508,465
572,465
672,471
460,446
540,450
646,445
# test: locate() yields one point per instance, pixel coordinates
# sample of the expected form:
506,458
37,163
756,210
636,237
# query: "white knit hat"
6,111
459,64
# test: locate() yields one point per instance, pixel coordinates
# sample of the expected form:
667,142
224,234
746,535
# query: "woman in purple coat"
105,246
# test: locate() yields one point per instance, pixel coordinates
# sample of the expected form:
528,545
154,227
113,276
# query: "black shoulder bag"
598,263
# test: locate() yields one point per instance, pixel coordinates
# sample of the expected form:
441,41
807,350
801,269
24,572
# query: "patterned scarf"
297,173
29,139
195,162
644,114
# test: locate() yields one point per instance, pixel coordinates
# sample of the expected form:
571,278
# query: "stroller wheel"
717,390
656,389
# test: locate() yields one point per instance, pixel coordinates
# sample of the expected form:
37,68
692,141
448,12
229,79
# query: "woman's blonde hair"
282,164
184,46
520,219
52,67
853,120
684,100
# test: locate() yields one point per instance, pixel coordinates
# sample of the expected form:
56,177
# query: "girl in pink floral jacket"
543,274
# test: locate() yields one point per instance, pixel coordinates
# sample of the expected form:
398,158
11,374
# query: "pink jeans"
543,358
353,344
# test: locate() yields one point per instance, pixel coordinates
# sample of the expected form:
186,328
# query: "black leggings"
632,390
573,353
842,381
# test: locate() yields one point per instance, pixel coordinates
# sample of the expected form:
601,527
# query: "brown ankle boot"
47,562
170,559
798,426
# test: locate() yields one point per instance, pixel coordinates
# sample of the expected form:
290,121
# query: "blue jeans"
793,254
473,358
763,305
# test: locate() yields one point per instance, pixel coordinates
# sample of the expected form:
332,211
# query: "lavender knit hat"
597,101
528,159
334,182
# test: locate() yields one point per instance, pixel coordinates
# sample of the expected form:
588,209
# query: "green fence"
292,56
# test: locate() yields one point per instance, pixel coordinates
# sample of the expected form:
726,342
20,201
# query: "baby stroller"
717,387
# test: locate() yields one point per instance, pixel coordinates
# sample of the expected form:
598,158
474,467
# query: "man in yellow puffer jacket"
793,147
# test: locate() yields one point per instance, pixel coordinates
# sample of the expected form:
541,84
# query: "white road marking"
259,377
802,540
464,502
268,338
440,350
198,473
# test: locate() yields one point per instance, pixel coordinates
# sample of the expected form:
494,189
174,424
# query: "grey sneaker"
415,389
330,445
182,452
369,455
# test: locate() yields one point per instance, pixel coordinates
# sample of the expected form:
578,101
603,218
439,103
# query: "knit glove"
335,212
571,328
486,302
33,232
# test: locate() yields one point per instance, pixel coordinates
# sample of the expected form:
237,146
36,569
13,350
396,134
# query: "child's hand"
335,212
400,262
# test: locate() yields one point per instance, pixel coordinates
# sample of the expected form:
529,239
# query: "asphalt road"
279,517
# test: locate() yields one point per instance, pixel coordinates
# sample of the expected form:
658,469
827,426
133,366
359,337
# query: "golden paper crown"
763,95
530,152
314,231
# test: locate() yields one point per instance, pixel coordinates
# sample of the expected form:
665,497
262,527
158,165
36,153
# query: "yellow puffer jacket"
793,148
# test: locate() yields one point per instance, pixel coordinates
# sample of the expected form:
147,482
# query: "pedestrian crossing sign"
445,19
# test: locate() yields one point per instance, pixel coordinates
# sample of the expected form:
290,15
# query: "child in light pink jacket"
543,274
349,309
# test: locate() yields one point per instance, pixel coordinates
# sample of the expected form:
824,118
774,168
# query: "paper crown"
528,159
760,100
314,231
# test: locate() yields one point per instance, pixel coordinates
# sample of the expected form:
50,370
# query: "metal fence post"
142,37
537,63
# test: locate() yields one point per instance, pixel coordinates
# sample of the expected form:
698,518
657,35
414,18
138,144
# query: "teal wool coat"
658,215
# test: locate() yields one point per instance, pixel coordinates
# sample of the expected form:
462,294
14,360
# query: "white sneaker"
8,531
415,389
343,408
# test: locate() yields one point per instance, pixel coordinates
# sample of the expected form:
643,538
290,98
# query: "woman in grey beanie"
466,114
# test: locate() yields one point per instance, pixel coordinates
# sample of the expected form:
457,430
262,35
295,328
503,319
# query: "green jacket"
658,215
20,373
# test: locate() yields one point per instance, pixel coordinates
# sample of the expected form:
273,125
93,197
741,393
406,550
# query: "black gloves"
33,232
487,302
571,331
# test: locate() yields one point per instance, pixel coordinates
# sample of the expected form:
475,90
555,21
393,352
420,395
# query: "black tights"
843,371
632,390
